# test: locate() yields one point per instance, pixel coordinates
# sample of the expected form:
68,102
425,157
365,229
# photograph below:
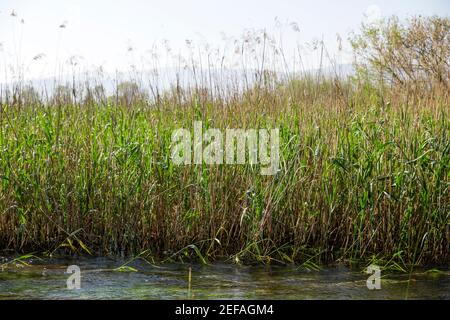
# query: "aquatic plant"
364,169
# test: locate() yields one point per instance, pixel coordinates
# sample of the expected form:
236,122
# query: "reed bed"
364,174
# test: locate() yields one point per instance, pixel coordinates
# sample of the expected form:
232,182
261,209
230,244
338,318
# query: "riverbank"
361,175
357,166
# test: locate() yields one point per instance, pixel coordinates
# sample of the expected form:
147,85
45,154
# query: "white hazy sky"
100,31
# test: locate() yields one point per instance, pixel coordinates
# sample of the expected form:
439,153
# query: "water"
46,279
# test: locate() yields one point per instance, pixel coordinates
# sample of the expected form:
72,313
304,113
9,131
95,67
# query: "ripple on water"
46,279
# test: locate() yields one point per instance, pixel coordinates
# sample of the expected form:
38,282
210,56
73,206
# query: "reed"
365,172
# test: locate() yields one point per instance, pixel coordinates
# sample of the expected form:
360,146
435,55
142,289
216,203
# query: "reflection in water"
47,280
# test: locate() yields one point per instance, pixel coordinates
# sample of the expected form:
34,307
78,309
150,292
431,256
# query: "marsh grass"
365,173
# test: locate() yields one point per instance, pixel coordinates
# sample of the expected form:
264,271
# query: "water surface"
46,279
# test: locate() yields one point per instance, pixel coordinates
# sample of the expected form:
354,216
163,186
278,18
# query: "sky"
113,34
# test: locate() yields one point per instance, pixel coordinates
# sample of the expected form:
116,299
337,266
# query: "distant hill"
164,78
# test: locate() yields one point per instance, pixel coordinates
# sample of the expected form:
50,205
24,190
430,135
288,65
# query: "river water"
100,279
